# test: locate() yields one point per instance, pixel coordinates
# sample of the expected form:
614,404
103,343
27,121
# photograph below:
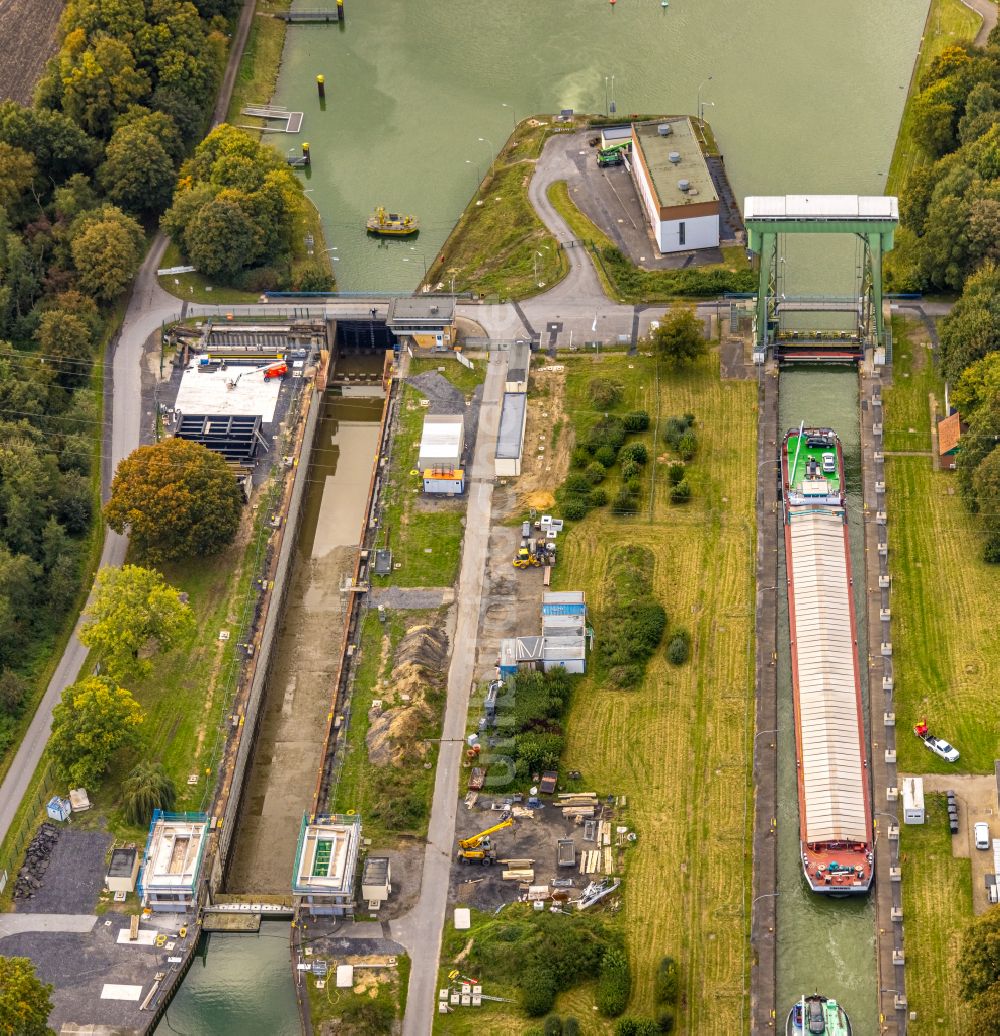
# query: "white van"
981,833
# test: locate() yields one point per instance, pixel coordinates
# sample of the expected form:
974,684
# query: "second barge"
835,821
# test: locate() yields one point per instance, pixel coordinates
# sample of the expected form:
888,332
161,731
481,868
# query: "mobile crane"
479,848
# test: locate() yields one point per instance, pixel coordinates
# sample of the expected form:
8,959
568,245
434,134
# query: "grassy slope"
495,244
936,909
948,22
946,644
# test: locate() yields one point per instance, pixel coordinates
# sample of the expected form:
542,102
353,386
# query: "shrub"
675,427
614,983
570,1027
538,991
605,455
581,457
678,651
637,421
624,502
578,482
605,393
681,493
574,508
607,431
636,1027
634,486
13,690
598,497
630,470
665,987
991,550
553,1026
665,1020
595,472
675,473
625,676
635,452
688,446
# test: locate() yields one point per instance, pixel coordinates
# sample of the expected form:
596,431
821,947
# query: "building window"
680,233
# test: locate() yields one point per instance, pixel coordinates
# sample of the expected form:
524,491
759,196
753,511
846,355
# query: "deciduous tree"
979,962
17,170
147,787
138,172
132,608
107,250
680,338
177,498
94,719
25,1001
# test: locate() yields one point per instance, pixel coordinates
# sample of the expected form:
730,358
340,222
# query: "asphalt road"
420,929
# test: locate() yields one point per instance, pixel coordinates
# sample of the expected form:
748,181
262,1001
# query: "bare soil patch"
548,440
27,41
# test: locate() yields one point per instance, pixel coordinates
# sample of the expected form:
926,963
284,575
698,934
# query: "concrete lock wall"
274,612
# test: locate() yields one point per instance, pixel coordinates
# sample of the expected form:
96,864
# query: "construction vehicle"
271,370
479,848
615,154
533,553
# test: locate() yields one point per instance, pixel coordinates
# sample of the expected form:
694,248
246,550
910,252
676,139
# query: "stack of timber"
525,874
578,804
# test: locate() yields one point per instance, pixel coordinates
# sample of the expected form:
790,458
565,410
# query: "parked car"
981,833
829,463
941,747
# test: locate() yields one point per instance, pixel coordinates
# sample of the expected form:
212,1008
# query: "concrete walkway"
420,930
987,10
16,924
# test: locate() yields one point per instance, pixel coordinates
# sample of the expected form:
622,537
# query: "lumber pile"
519,864
525,874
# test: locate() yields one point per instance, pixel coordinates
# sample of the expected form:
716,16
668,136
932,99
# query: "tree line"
949,240
84,174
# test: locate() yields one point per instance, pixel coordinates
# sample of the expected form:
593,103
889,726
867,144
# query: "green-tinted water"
824,945
238,985
807,97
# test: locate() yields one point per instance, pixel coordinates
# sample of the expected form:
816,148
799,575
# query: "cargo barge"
835,821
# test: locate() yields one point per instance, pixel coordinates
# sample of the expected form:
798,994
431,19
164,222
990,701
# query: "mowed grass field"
678,746
946,643
936,909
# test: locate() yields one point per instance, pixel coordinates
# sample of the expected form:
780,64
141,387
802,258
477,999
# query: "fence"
18,837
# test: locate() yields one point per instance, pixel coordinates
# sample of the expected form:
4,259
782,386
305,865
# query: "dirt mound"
418,677
540,500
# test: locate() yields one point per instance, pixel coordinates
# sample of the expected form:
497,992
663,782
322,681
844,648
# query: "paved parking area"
75,876
608,196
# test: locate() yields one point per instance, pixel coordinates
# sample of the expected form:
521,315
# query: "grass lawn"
678,746
425,534
499,245
462,377
196,287
946,645
362,786
937,905
351,1012
948,22
628,283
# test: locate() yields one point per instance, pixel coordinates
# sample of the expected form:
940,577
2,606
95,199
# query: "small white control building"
675,185
913,800
510,438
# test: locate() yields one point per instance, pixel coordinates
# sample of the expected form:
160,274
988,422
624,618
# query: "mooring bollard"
305,153
321,87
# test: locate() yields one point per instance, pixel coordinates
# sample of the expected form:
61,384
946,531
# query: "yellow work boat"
392,224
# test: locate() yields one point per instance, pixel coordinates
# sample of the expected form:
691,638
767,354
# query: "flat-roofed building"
326,863
376,878
510,437
442,442
123,870
518,366
429,320
675,185
172,860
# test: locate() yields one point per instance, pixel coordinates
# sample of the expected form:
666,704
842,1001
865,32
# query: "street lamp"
475,165
423,257
760,732
493,151
503,104
764,895
698,109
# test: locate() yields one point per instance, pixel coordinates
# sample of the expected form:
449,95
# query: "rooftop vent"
692,191
664,129
674,156
684,185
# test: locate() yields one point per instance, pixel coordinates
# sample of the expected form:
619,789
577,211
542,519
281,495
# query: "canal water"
804,97
237,985
824,945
